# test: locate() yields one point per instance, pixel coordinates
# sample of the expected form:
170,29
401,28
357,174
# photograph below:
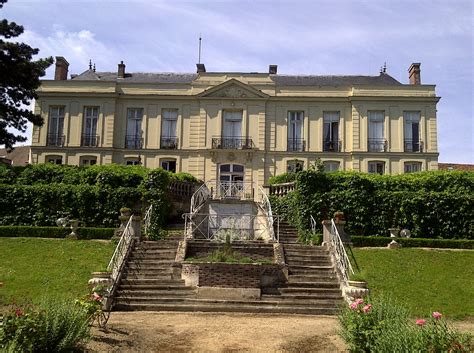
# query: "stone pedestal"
100,279
137,227
356,290
346,238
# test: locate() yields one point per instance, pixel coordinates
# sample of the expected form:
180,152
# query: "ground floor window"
231,181
331,166
132,162
376,167
294,166
412,167
85,161
169,165
54,159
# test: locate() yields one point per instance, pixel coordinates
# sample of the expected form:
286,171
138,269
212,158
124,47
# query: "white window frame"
54,159
412,167
232,124
331,166
329,119
373,167
169,123
376,130
56,120
88,161
164,164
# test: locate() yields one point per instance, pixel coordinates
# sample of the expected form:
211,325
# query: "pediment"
233,89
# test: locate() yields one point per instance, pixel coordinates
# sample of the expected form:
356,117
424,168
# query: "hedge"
442,206
54,232
374,241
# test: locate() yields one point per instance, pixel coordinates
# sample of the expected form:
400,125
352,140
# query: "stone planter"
358,284
394,232
355,290
74,225
100,278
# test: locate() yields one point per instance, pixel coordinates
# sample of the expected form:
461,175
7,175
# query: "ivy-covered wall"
430,204
40,194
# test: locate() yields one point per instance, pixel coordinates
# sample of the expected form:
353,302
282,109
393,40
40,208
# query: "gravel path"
211,332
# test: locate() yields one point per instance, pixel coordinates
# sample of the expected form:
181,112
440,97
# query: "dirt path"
206,332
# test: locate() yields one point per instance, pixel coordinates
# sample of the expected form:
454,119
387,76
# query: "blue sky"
310,37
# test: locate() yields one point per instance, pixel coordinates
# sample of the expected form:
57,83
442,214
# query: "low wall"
256,250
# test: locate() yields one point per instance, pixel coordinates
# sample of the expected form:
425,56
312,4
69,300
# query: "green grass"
425,280
32,269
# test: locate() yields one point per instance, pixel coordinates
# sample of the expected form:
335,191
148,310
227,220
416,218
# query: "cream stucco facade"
261,122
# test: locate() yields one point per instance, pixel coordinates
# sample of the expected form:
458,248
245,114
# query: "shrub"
282,178
53,326
383,325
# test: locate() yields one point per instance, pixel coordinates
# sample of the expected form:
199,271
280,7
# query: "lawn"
31,269
425,280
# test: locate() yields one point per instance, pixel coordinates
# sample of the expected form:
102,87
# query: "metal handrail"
267,209
147,219
231,142
200,197
342,260
119,258
314,225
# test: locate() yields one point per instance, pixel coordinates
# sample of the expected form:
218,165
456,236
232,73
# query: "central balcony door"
231,181
295,131
232,129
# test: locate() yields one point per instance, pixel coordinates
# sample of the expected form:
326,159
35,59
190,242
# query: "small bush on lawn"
53,326
383,325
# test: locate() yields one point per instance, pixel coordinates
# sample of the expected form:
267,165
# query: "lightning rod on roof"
199,58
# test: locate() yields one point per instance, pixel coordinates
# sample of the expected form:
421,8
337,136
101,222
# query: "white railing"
218,226
147,220
200,197
264,203
314,225
119,258
240,190
343,265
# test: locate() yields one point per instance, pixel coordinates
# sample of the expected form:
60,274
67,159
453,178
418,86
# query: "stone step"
307,256
150,261
320,277
158,267
154,293
309,290
213,307
151,276
319,284
154,286
148,272
154,281
312,296
154,251
309,268
293,263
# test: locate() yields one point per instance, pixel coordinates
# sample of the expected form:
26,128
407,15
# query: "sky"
334,37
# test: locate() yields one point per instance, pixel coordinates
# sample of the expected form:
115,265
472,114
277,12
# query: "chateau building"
233,126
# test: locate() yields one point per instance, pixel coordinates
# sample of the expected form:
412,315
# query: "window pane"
225,168
238,168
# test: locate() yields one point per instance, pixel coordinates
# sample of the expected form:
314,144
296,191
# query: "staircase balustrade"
147,220
281,189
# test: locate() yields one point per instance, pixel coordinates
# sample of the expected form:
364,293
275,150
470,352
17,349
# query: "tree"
19,78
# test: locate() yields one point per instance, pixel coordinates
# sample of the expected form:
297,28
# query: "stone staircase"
147,284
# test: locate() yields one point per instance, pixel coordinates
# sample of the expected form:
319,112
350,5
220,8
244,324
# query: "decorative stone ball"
405,233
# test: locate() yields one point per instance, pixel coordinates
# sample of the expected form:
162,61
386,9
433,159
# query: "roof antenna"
200,39
384,70
90,64
94,67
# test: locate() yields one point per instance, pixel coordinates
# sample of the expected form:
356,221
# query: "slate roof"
308,80
19,156
281,80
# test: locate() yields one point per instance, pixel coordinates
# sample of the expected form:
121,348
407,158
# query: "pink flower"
359,301
18,312
353,306
437,315
367,308
420,322
96,297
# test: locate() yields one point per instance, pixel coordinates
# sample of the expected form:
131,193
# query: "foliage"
228,256
54,232
383,325
91,303
31,268
375,241
430,204
359,276
424,279
282,178
54,326
19,78
310,238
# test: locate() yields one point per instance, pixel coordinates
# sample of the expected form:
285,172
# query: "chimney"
200,68
272,69
121,70
62,67
414,73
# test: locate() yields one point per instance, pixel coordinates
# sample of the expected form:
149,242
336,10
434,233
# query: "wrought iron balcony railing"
377,145
232,143
332,146
55,140
169,143
133,142
296,145
89,140
413,145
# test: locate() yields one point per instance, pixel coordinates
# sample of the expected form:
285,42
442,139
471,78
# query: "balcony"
55,140
232,143
413,145
332,146
133,142
89,140
377,145
296,145
169,143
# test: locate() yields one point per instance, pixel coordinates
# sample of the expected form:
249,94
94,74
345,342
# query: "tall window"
134,128
376,167
56,125
91,116
331,166
169,139
331,132
412,131
412,167
295,131
376,141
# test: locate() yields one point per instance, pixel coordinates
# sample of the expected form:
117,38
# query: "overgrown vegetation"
381,324
424,279
430,204
39,194
233,257
33,268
